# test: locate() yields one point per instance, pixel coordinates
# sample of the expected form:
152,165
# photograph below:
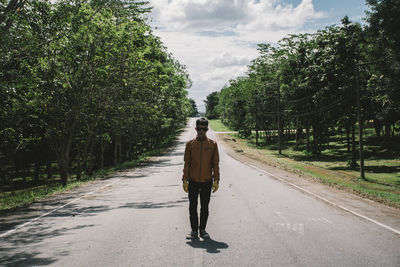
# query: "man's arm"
215,162
187,159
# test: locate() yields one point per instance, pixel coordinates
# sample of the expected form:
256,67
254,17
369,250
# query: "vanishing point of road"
140,217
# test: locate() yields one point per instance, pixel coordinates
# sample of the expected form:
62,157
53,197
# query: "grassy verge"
382,166
19,198
218,126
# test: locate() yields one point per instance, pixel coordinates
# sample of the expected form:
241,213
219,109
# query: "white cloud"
216,39
226,59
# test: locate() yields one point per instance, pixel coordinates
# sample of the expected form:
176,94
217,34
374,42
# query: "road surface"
140,218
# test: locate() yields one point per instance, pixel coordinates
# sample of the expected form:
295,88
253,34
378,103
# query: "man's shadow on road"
210,245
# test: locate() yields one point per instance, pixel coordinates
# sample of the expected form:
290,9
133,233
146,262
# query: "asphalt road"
140,218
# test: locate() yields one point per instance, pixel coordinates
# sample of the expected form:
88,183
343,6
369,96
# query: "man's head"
201,127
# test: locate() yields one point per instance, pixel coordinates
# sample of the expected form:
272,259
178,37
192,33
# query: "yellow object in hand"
185,186
215,186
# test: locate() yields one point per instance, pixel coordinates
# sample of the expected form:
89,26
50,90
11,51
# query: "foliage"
193,108
308,83
84,84
211,105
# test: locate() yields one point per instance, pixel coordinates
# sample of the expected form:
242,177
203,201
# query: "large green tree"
86,81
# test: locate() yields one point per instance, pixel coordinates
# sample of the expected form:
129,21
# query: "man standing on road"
200,176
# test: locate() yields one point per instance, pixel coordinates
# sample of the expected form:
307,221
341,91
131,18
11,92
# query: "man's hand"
185,186
215,186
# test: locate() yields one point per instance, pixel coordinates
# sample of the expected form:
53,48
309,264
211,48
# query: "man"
200,175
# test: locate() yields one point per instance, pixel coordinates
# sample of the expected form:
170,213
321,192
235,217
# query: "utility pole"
360,127
279,116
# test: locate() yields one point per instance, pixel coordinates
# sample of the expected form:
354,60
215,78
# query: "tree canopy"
312,82
84,84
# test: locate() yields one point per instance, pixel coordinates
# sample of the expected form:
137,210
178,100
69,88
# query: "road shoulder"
353,203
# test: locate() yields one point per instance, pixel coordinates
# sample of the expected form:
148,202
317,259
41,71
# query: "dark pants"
204,189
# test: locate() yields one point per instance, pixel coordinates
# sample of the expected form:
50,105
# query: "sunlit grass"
382,167
218,126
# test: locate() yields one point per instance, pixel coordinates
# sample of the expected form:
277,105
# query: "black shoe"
192,235
204,234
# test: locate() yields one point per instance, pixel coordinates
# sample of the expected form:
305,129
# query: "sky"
217,39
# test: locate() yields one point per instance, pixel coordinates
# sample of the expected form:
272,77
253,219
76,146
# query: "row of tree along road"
84,85
309,86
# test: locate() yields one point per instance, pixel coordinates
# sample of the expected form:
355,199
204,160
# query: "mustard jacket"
201,161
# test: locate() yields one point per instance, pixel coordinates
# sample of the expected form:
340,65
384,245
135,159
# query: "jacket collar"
201,139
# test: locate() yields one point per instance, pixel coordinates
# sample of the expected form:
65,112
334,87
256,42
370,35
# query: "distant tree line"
84,85
193,111
308,85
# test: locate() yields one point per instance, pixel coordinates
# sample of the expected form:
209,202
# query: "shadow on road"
153,205
13,254
19,248
210,245
26,259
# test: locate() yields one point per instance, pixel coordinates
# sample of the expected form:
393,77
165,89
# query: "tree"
87,81
193,111
384,42
211,105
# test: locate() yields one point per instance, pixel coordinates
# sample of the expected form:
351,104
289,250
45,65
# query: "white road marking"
50,212
296,227
322,219
328,201
280,215
300,230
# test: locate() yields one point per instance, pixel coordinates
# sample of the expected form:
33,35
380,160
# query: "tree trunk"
378,128
78,163
256,134
49,170
393,129
86,152
308,137
387,131
63,166
348,137
90,160
63,157
102,147
115,150
298,132
120,149
36,175
315,140
353,145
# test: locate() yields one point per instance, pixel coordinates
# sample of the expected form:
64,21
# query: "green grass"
218,126
382,165
19,198
14,199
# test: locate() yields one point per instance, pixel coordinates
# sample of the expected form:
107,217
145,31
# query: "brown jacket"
201,161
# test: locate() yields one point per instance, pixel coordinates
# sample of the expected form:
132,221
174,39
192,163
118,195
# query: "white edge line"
50,212
328,201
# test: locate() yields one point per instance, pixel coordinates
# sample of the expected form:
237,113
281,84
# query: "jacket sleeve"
215,162
187,159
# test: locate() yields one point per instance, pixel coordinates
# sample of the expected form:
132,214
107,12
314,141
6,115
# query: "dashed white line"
50,212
